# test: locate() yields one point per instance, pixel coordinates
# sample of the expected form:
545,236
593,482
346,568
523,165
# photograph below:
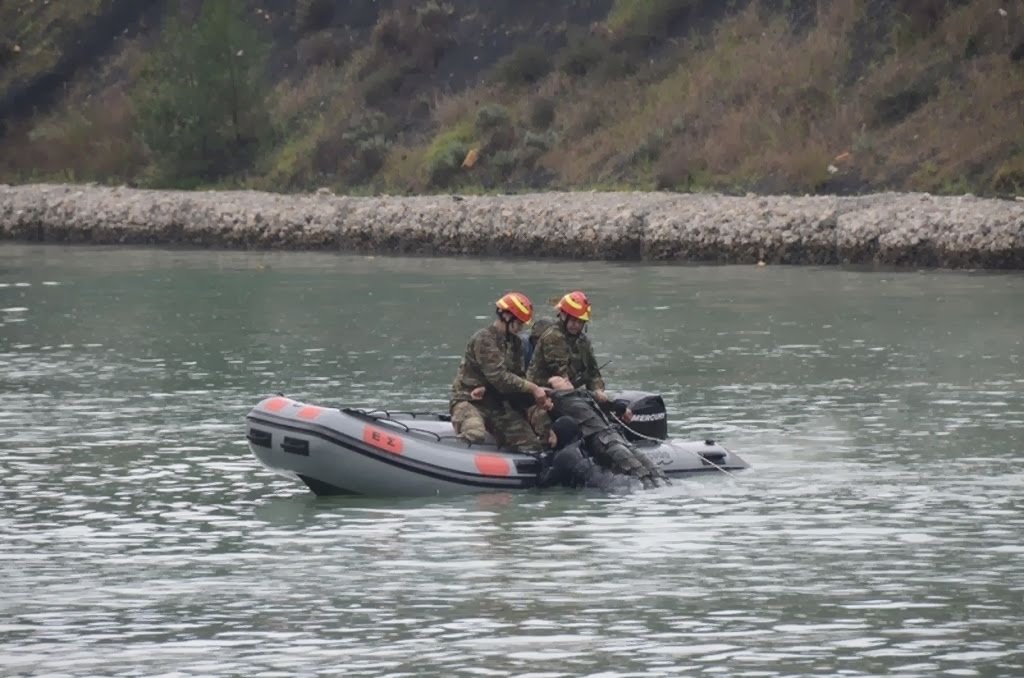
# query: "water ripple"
878,533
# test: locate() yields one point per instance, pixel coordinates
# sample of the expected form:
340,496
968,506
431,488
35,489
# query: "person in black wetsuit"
570,465
604,442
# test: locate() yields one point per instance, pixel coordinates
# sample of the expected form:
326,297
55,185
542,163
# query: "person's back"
530,340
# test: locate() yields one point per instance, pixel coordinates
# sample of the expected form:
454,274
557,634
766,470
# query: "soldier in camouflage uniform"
564,350
489,392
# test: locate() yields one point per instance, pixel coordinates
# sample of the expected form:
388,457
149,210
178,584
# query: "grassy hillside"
370,96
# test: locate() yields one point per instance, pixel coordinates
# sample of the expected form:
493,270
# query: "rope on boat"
372,414
702,458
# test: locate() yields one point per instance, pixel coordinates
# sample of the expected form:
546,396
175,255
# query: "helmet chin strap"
506,318
564,317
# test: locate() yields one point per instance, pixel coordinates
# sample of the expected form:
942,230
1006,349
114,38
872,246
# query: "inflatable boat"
355,451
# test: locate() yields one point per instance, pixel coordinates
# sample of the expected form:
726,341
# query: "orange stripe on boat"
309,412
382,440
490,465
276,404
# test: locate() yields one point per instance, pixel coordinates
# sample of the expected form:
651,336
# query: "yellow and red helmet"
576,305
518,304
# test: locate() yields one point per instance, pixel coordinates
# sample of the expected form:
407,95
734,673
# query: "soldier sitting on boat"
563,350
487,390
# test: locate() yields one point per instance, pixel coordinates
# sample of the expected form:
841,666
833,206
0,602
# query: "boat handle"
295,446
259,438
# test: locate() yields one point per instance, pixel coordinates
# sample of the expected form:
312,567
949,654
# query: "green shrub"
540,141
433,15
419,37
491,116
387,32
593,118
504,162
313,15
382,84
582,55
201,100
367,158
323,48
6,51
358,152
1009,178
616,65
526,65
494,128
443,159
892,108
650,148
642,23
676,171
542,113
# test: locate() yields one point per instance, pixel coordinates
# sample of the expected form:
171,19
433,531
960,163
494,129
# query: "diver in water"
569,464
601,437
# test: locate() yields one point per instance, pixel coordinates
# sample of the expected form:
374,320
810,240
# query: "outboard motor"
650,419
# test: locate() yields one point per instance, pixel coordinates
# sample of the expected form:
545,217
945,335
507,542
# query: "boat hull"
357,452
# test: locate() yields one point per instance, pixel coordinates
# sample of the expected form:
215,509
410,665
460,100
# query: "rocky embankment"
889,228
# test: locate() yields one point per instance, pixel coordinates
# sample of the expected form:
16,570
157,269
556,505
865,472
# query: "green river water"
879,531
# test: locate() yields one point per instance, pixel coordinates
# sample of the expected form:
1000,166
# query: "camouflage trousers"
472,421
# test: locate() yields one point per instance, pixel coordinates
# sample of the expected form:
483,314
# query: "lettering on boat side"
491,465
309,412
382,440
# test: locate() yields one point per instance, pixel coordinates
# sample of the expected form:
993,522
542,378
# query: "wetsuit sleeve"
491,359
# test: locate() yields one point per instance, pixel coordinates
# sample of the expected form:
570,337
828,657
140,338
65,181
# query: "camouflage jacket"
561,354
493,360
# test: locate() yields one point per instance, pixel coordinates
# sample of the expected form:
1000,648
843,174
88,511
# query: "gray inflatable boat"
401,454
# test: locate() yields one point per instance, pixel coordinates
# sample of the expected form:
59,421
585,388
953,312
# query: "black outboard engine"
650,419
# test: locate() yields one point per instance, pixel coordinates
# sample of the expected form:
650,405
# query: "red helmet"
576,305
518,304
